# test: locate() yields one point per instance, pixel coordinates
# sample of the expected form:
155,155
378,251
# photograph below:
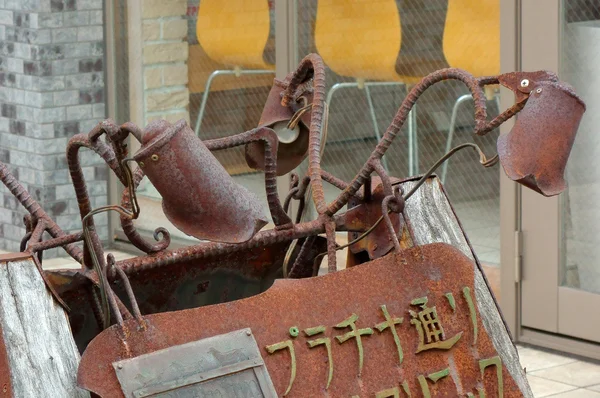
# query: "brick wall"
165,54
51,87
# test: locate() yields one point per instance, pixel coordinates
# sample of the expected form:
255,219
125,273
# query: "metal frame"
237,73
413,146
509,191
549,316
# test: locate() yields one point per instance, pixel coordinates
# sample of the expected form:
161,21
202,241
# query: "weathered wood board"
421,321
40,353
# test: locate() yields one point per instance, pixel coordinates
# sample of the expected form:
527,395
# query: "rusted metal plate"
228,365
404,322
199,196
182,284
536,150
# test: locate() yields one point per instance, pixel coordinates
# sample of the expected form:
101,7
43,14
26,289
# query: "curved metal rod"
295,271
99,266
312,66
385,213
91,141
36,211
450,136
36,236
445,74
112,267
271,141
129,228
482,159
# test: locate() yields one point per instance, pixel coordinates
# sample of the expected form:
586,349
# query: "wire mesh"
407,34
326,25
580,56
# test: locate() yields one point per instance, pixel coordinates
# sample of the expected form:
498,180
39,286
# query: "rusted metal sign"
407,323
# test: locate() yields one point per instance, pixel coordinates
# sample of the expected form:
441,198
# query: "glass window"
581,214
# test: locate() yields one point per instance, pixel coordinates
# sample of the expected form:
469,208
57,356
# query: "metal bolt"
154,157
539,90
524,82
248,333
294,331
119,366
141,164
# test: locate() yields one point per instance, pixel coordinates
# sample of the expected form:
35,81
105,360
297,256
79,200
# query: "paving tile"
594,388
578,373
533,359
579,393
543,387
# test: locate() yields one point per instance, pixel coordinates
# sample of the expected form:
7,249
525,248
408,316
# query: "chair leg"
236,72
336,87
375,126
413,142
205,98
497,99
451,128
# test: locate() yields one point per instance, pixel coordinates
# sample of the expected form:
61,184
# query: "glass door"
561,244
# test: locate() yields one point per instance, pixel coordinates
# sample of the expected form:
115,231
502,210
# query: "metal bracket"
518,256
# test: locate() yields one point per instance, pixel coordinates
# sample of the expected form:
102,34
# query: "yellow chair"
234,33
471,42
362,39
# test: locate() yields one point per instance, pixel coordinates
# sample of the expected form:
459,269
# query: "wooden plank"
42,355
433,220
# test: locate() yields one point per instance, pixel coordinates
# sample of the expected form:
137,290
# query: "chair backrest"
359,38
472,36
234,32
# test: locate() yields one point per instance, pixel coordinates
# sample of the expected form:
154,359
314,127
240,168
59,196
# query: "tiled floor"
553,374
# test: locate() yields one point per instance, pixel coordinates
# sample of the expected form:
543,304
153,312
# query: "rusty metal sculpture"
202,200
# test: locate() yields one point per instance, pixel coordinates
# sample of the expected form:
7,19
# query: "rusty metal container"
293,142
199,197
536,150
